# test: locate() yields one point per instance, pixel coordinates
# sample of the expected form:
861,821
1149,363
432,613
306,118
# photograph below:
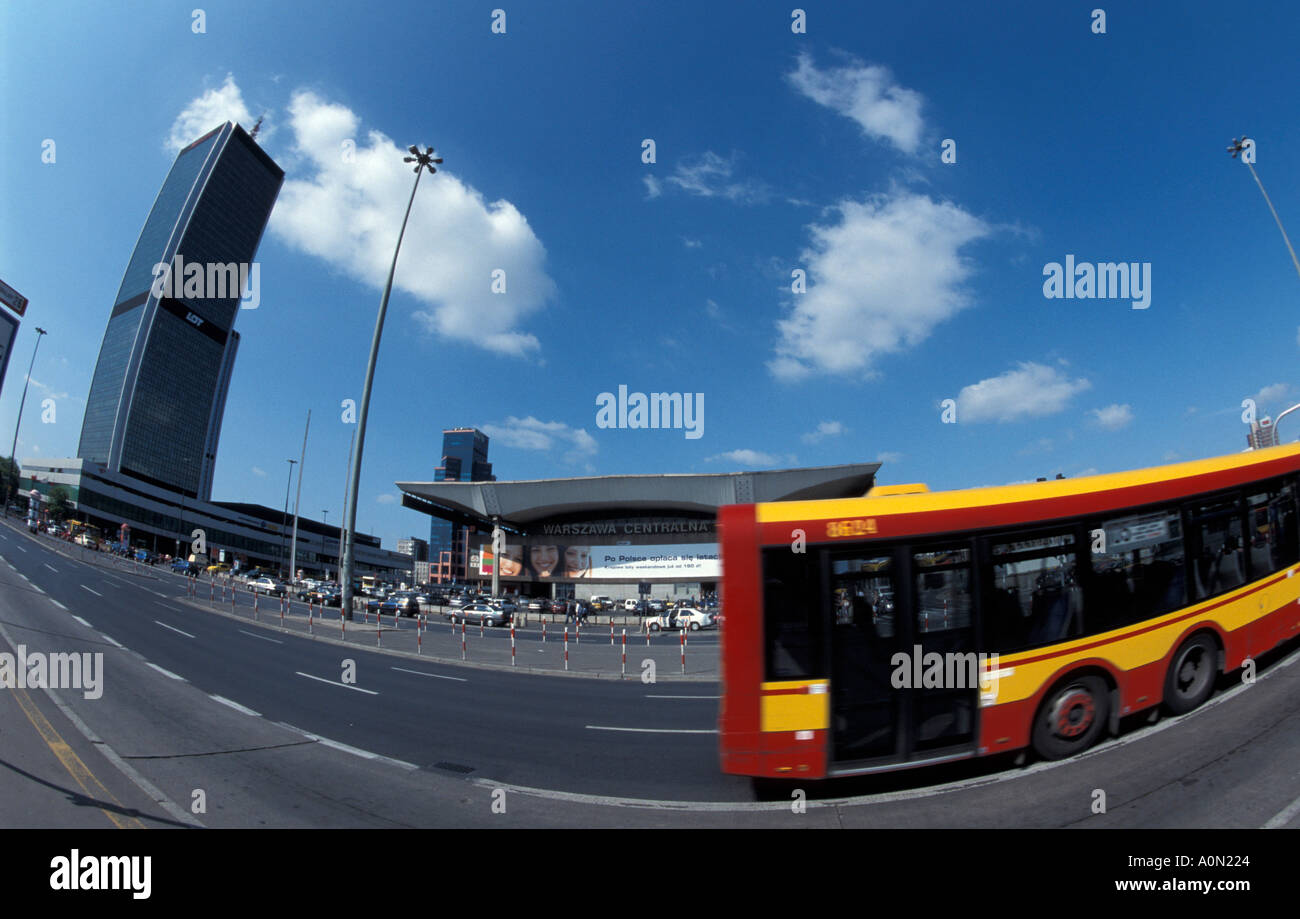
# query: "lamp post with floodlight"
425,160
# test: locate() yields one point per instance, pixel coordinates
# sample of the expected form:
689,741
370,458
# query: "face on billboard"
512,561
577,561
543,560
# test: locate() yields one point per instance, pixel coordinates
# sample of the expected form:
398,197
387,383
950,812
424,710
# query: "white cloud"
652,187
346,209
824,430
1272,394
211,110
1113,417
386,499
259,472
1032,391
710,176
879,281
691,243
867,94
533,434
751,458
889,456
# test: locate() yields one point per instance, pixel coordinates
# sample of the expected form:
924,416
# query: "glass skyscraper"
464,459
159,389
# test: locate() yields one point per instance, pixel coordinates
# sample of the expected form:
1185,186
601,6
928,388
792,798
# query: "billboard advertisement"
603,563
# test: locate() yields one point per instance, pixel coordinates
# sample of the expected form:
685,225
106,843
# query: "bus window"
1138,573
1219,550
1272,530
792,628
1033,596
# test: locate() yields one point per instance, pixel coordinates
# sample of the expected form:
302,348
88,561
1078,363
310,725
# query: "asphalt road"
267,726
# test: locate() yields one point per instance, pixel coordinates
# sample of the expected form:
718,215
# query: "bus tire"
1072,717
1192,673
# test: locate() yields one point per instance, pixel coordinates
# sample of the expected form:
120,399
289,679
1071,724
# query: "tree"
59,504
8,478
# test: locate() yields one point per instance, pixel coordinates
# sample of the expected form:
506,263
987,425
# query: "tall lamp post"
422,161
13,452
1245,147
325,542
285,522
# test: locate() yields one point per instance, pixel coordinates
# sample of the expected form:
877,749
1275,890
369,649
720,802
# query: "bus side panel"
741,641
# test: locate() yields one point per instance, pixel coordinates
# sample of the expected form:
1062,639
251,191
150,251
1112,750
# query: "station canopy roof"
521,503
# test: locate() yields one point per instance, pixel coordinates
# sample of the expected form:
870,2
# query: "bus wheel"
1191,675
1072,717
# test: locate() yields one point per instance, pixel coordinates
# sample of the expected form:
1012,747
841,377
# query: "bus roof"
1139,486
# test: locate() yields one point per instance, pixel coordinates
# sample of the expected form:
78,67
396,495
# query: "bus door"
865,632
944,700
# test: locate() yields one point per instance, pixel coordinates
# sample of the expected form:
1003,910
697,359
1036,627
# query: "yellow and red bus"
852,624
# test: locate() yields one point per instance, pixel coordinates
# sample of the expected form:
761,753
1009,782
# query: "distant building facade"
464,459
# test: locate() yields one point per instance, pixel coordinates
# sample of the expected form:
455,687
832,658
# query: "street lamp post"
1245,146
422,161
325,542
13,452
285,521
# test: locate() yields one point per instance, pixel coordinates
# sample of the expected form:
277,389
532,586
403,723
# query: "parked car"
685,617
403,602
266,585
485,613
600,603
181,566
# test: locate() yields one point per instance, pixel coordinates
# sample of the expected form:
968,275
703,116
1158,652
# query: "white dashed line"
19,548
167,672
83,622
598,727
683,697
58,604
95,592
436,676
51,567
356,751
112,642
334,683
166,626
262,637
235,705
1285,816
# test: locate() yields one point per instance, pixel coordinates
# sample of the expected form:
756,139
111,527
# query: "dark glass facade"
159,388
464,459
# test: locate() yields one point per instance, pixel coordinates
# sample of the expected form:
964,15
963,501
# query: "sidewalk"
590,653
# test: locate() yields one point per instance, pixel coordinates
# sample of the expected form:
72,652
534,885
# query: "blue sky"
774,151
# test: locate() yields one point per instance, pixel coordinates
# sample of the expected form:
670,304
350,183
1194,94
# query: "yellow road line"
79,771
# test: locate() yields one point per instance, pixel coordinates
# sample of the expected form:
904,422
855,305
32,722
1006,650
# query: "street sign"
12,299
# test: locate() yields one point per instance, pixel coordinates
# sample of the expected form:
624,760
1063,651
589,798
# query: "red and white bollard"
625,653
212,592
419,635
512,646
309,617
462,639
543,631
683,650
282,612
566,647
611,631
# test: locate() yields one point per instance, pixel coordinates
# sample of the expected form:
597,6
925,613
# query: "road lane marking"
95,592
19,548
83,622
355,751
51,567
166,672
335,683
235,705
436,676
600,727
70,761
262,637
58,604
174,629
1284,816
112,642
683,697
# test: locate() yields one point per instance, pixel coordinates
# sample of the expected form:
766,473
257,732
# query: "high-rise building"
159,389
464,459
